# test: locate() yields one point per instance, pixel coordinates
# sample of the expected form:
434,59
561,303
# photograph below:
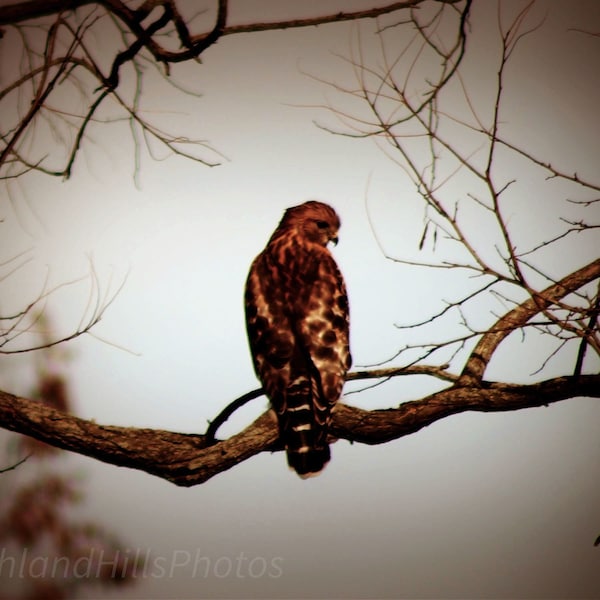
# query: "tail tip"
309,463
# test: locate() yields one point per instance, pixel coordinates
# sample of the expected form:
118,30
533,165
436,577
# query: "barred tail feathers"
303,429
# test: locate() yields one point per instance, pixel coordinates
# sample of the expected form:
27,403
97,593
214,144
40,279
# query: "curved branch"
518,317
15,465
380,426
439,372
187,460
224,415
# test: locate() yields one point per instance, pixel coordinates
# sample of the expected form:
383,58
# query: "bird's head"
314,221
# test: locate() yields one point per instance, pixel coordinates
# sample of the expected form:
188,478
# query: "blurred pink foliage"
44,553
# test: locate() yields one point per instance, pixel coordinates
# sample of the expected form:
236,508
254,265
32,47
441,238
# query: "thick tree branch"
518,317
186,459
380,426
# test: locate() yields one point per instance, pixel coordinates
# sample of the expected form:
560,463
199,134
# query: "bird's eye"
322,224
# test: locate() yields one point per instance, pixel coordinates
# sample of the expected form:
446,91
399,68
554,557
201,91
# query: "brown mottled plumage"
298,329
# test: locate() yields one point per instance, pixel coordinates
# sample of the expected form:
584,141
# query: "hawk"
298,328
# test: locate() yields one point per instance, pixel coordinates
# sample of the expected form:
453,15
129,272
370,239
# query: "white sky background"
496,505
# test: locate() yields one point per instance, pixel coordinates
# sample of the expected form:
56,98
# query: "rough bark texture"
187,459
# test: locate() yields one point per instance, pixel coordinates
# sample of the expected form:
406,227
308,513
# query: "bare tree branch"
370,13
591,326
518,317
14,327
188,459
417,117
22,11
425,141
439,372
155,27
15,465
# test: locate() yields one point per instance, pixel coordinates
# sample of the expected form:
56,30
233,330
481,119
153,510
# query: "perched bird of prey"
298,328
